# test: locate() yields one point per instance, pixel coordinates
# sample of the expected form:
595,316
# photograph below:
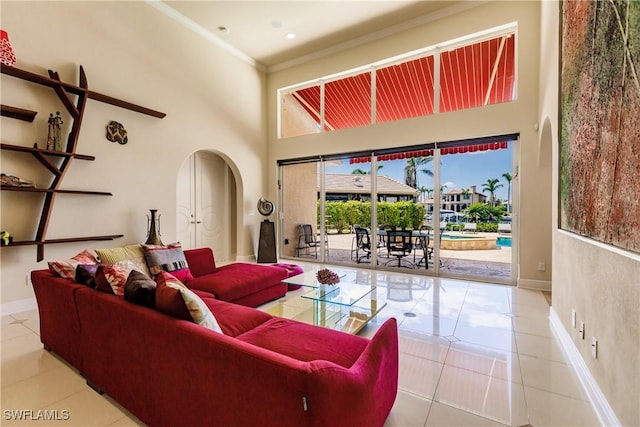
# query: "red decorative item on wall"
7,56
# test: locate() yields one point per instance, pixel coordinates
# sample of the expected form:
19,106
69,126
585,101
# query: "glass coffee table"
347,306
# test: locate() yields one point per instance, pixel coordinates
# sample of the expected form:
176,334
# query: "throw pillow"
176,300
86,274
169,258
67,268
111,278
133,253
140,289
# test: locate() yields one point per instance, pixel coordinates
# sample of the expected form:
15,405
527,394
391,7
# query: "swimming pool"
504,241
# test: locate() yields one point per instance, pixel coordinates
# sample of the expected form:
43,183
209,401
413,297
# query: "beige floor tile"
491,398
83,409
24,358
533,325
497,338
418,376
485,360
447,416
528,297
540,347
43,389
425,346
408,411
486,317
551,376
550,409
530,310
14,329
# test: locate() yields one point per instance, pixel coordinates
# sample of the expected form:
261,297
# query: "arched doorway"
206,205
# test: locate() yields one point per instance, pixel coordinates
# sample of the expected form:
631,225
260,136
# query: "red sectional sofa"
262,370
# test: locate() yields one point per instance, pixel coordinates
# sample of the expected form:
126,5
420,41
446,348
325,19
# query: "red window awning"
470,148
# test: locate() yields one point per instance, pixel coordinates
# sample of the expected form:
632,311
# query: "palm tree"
491,186
509,178
411,170
423,190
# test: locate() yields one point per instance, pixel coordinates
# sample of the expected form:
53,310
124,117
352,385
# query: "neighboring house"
344,187
458,200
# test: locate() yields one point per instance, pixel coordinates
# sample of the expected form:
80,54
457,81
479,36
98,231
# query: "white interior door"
185,205
204,204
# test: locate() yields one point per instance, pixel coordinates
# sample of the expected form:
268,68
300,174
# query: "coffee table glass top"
347,275
347,306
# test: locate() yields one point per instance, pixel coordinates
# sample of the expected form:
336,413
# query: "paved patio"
487,263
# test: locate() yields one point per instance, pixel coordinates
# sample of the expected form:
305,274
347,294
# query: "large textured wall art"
600,121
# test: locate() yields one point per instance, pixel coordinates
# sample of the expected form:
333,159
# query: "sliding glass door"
442,209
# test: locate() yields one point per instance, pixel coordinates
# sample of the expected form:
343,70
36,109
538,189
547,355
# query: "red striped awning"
470,76
471,148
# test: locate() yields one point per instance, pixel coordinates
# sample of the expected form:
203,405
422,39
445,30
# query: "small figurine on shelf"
5,238
54,137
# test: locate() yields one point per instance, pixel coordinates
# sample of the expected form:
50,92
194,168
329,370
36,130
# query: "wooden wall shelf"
58,169
36,150
54,82
18,113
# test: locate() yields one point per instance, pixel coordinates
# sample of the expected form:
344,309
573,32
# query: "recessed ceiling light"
290,36
224,30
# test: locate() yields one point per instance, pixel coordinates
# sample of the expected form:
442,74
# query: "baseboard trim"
246,258
598,400
538,285
18,306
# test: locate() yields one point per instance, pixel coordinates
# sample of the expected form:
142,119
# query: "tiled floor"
471,354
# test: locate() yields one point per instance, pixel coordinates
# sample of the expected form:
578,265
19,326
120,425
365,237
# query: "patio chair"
469,227
399,245
363,244
422,243
308,241
504,228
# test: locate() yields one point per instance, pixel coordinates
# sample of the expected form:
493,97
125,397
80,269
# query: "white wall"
129,51
517,116
601,283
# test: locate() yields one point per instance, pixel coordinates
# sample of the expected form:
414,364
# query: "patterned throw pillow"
133,253
175,299
67,268
112,278
169,258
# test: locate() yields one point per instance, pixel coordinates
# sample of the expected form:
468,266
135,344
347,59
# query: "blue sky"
457,170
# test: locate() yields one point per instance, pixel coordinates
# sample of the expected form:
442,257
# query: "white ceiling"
257,28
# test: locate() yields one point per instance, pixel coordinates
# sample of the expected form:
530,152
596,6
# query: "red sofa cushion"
237,280
201,261
283,336
235,319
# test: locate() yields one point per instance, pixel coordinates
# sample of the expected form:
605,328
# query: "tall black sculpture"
267,243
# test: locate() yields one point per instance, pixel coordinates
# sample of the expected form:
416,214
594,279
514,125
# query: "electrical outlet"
573,318
581,331
542,266
27,280
594,347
